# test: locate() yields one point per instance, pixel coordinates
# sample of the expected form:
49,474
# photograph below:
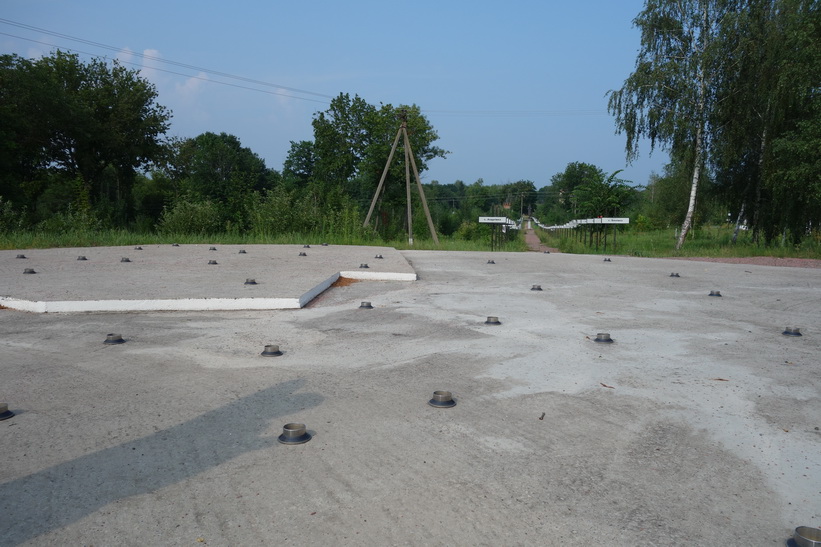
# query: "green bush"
272,213
10,220
470,231
191,217
72,219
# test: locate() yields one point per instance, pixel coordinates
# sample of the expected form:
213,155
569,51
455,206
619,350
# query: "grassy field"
709,242
114,238
714,241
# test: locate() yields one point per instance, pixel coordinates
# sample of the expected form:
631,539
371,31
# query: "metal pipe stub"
365,306
5,413
807,536
294,434
492,320
536,288
271,350
715,293
603,338
29,271
114,339
442,399
789,331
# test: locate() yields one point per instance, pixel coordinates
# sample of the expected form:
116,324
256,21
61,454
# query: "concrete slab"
698,426
186,277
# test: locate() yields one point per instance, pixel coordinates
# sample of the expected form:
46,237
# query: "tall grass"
39,239
713,241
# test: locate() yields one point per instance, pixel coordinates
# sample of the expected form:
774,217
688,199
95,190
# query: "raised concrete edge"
197,304
181,304
316,291
379,276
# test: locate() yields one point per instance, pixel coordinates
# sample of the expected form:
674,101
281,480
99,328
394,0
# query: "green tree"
96,123
522,196
599,197
352,142
298,168
669,96
767,89
561,203
219,169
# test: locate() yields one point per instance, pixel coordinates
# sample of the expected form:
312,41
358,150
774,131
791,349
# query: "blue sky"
516,90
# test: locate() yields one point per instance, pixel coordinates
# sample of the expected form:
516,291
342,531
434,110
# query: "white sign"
604,221
495,220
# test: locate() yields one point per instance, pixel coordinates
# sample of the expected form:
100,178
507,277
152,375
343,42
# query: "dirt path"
535,244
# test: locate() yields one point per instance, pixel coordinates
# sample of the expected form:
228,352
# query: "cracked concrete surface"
698,426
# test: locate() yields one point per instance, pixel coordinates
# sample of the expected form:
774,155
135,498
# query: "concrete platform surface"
699,425
186,277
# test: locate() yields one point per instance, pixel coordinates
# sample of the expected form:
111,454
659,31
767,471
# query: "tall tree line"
76,132
733,87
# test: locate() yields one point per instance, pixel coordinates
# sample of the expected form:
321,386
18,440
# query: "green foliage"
95,122
732,86
218,169
472,231
583,190
72,218
769,106
709,241
669,97
352,142
191,217
298,168
11,219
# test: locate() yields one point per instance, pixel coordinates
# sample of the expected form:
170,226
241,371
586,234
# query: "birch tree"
768,116
668,98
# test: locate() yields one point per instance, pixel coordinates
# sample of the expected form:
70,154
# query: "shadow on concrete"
67,492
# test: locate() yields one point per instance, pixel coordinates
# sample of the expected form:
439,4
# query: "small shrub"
73,219
191,217
10,220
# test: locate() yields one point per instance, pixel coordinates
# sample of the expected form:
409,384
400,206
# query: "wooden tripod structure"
409,162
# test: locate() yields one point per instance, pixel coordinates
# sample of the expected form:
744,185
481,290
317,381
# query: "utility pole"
410,162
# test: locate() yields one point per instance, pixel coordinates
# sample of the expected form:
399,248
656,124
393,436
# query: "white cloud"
125,55
148,70
189,90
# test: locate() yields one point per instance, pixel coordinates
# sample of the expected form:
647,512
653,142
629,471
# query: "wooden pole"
410,161
407,188
421,190
382,179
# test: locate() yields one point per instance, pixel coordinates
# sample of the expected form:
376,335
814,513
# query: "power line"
516,113
455,113
156,59
171,71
